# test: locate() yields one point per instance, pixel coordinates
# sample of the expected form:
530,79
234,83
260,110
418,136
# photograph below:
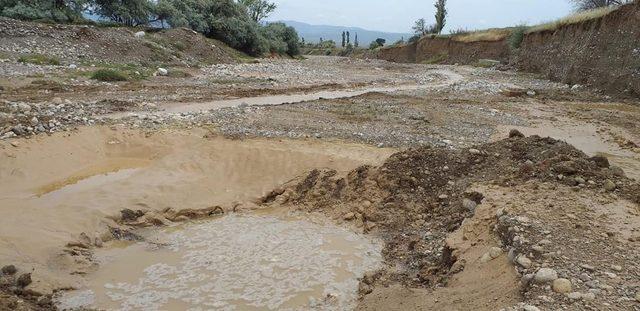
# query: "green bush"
43,10
517,36
281,39
39,59
108,75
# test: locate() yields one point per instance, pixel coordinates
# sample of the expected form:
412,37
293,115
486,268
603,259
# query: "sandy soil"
76,153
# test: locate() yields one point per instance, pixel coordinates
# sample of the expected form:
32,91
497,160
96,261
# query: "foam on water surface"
233,263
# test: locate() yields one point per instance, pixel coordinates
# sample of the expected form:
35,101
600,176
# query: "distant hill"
313,33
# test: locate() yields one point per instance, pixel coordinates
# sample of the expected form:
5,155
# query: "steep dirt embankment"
602,52
447,51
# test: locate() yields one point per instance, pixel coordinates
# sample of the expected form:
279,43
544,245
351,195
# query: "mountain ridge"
313,33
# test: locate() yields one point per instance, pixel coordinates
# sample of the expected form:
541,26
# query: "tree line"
236,23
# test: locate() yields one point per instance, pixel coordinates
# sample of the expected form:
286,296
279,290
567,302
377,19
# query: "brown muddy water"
56,189
237,262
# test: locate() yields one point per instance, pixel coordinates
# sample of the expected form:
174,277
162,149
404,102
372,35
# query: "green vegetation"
517,36
441,15
236,23
377,43
258,9
175,73
108,75
281,39
39,59
44,10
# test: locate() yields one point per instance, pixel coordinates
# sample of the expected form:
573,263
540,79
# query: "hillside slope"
84,43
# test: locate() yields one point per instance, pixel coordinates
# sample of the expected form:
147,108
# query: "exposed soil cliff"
602,52
446,51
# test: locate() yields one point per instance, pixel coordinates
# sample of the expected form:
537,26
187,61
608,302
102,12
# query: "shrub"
43,10
517,36
281,39
108,75
39,59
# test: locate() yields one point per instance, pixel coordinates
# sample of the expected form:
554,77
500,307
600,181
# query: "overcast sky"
399,15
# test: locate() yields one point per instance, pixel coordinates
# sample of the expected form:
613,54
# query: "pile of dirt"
86,43
418,197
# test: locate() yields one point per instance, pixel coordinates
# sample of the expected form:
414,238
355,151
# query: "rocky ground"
524,223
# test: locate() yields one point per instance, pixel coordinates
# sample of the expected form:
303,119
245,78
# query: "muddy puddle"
65,185
237,262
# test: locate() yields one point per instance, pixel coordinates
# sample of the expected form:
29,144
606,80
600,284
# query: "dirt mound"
83,43
420,196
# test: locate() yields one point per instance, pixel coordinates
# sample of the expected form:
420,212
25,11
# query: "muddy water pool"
237,262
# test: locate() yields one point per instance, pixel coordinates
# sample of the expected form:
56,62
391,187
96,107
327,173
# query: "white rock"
73,66
531,93
139,34
524,262
545,275
531,308
34,121
162,72
474,151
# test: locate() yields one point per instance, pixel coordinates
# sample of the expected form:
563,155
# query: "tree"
164,10
582,5
126,12
420,27
348,38
344,39
259,9
224,20
381,41
441,15
355,42
281,39
53,10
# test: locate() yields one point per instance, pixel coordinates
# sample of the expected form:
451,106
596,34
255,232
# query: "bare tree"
582,5
420,27
441,15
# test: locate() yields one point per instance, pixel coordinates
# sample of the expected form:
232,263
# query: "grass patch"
436,59
574,19
517,36
39,59
494,34
174,73
108,75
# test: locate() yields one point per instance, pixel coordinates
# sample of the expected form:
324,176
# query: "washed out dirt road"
470,214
